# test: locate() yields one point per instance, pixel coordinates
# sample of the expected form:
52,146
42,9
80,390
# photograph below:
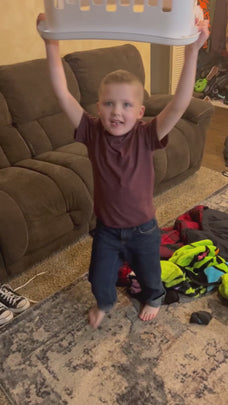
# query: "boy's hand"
203,34
42,17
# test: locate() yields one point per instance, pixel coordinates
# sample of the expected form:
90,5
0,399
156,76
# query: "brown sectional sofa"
46,186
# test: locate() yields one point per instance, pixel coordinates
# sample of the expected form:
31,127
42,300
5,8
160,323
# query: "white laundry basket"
168,22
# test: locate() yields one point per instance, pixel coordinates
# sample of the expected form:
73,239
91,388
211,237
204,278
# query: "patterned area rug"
218,200
49,354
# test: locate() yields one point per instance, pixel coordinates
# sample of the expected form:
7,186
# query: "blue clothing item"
214,276
139,246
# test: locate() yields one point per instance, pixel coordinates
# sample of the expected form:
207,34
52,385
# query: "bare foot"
148,313
95,317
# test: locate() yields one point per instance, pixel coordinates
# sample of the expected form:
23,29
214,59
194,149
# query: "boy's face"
119,107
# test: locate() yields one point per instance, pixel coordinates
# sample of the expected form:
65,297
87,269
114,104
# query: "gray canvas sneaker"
13,301
5,314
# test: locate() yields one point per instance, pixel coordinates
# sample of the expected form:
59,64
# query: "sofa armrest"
197,110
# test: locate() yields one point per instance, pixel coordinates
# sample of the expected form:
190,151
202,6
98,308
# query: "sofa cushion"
197,111
192,134
74,189
41,202
3,159
34,108
160,166
178,154
12,146
5,117
76,148
47,133
80,165
91,66
28,91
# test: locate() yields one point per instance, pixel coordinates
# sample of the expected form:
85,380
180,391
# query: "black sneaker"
5,314
13,301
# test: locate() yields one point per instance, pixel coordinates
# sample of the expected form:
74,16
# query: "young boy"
120,147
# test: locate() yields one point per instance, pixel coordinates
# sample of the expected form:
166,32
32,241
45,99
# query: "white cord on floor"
29,281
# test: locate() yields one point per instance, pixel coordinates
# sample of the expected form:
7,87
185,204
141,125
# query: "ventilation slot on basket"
138,6
59,4
111,5
167,5
85,5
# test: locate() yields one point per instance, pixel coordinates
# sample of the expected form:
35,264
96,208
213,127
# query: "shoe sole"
6,319
19,310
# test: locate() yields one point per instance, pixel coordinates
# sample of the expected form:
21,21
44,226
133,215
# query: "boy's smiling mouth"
116,123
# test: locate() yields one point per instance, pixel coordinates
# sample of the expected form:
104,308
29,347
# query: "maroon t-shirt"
123,171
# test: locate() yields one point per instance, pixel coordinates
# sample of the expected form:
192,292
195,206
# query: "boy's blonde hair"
121,76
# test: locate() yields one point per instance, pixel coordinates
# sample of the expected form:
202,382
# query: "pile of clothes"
212,66
212,81
194,256
195,225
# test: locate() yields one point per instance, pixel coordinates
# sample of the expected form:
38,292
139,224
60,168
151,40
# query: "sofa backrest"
33,106
31,112
12,146
91,66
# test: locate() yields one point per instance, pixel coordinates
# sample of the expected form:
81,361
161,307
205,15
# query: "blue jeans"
140,247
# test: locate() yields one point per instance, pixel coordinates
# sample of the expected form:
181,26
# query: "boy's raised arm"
58,79
169,116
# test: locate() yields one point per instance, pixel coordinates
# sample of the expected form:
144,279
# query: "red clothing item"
123,171
176,236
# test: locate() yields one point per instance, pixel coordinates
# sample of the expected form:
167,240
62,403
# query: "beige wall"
19,40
